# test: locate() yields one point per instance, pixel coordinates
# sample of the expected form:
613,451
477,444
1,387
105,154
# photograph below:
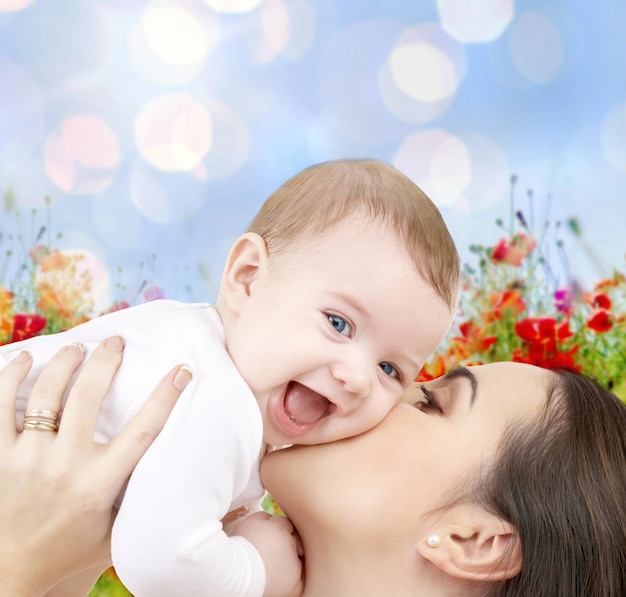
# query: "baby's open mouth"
304,406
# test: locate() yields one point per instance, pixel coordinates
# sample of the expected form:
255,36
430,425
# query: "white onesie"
167,538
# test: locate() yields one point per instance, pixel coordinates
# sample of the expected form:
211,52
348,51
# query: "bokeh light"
162,200
490,172
149,197
21,112
171,43
439,163
422,73
475,21
174,132
83,156
13,5
536,48
164,123
174,35
231,144
302,28
274,31
467,174
348,81
233,6
614,137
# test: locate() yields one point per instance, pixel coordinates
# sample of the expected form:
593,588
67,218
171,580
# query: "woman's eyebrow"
467,374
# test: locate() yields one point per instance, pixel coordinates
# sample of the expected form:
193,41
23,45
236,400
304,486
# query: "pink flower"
563,300
153,293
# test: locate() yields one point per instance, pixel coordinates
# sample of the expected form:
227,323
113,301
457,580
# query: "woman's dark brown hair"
562,483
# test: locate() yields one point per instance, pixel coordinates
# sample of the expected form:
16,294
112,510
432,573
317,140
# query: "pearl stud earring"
433,541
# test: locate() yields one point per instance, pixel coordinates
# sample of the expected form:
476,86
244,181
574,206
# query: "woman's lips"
301,409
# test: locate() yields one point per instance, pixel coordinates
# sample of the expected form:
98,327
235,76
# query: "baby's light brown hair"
324,194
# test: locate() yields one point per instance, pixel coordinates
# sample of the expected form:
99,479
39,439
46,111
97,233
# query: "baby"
344,284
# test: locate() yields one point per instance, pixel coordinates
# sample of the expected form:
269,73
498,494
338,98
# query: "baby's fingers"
132,442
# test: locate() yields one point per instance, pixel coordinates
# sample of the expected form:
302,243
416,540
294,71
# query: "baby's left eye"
340,325
389,369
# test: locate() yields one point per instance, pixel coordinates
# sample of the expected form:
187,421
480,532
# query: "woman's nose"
353,377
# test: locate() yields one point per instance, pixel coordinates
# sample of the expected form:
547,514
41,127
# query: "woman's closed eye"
340,324
430,401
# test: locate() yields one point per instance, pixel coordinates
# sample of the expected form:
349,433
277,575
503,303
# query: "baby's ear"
472,544
247,259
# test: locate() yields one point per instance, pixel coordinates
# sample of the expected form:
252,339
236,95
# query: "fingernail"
22,358
76,347
114,343
182,378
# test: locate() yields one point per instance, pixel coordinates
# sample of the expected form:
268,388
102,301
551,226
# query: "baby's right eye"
340,325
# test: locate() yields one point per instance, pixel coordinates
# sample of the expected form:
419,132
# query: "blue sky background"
157,129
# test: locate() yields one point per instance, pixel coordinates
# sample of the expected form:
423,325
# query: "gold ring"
41,414
40,425
41,420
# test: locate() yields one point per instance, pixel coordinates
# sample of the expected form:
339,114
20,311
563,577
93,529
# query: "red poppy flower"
541,336
601,301
600,321
27,325
558,360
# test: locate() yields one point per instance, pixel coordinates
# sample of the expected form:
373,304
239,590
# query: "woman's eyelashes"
430,401
341,325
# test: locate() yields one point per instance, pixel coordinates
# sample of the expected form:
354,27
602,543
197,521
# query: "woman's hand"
57,489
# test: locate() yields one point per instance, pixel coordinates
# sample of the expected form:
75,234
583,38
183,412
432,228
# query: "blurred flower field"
516,304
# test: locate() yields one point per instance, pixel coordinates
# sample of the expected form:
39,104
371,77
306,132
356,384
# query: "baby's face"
331,334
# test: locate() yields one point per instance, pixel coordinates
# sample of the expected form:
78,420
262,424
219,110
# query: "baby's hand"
277,541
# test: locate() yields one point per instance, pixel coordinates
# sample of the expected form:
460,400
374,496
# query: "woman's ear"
473,544
246,262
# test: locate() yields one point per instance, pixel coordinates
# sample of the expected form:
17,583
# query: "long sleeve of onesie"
167,538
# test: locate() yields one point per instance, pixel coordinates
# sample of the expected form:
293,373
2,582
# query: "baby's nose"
354,377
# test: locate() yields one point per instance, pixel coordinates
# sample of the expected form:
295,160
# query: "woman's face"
409,464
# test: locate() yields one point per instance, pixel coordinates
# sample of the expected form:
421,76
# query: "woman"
57,489
503,479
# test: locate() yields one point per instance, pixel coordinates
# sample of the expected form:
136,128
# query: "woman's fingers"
125,450
91,386
10,378
48,389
